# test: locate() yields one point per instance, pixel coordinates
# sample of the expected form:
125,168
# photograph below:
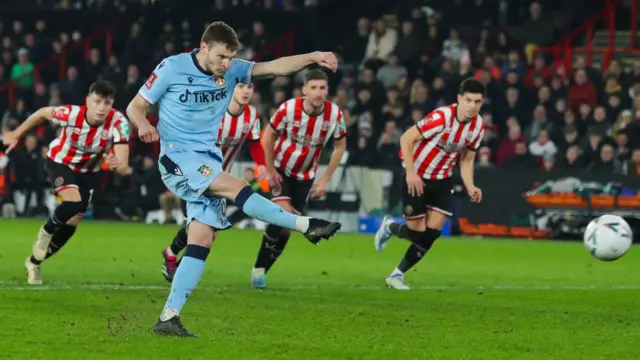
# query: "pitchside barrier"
516,203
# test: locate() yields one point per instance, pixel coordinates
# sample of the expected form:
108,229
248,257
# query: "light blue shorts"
188,174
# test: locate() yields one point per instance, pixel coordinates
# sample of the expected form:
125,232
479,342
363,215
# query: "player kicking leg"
74,164
195,90
292,163
435,143
240,124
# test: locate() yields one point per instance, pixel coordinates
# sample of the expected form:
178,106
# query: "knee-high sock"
179,241
422,242
262,209
274,240
58,240
186,279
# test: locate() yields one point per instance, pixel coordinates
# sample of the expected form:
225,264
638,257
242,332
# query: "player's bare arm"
466,172
407,143
291,64
118,161
339,147
270,136
137,113
11,138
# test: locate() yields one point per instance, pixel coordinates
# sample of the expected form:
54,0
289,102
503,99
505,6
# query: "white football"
608,237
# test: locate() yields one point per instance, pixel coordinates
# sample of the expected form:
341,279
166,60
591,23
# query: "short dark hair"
472,86
315,74
103,88
220,32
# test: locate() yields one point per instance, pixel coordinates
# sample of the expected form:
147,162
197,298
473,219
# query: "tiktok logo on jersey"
201,97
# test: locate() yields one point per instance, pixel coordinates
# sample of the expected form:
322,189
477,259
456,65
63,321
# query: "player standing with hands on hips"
194,91
435,143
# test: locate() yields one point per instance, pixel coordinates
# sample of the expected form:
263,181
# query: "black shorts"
62,177
294,191
437,196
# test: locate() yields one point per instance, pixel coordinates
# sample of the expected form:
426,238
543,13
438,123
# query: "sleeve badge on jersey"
152,78
123,127
205,170
61,112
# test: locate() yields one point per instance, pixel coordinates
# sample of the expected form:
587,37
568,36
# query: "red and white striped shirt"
80,146
234,131
444,137
302,137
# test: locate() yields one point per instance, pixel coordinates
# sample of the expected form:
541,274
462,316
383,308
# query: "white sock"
168,314
169,252
396,271
302,224
258,271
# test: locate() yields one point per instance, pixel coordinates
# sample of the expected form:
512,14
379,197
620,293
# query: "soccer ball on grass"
608,237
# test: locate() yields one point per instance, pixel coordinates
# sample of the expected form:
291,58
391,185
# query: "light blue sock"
262,209
185,280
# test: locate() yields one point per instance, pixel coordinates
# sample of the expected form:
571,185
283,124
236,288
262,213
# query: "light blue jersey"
192,104
192,100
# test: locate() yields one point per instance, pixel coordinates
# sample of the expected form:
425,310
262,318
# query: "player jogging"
194,91
435,142
74,163
240,124
293,142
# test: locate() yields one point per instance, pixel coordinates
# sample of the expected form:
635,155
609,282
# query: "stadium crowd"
396,69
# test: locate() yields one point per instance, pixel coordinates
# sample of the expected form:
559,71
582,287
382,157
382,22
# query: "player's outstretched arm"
270,136
137,113
467,164
11,138
339,147
121,151
407,142
290,64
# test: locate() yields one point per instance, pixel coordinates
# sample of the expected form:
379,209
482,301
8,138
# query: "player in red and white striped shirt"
293,142
436,143
74,162
240,124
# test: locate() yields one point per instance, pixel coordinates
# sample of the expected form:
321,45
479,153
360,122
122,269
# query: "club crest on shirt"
221,82
104,134
205,170
325,126
245,128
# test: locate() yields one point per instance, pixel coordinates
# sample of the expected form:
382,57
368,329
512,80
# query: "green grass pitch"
472,299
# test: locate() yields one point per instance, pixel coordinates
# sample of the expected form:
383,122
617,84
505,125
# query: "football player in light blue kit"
194,90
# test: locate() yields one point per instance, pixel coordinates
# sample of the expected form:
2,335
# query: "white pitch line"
13,286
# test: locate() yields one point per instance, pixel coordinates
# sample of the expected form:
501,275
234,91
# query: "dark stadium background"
536,93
